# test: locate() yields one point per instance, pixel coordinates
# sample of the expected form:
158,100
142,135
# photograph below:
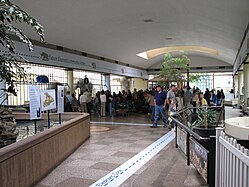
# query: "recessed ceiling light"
148,20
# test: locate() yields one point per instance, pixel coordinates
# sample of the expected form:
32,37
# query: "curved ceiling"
119,29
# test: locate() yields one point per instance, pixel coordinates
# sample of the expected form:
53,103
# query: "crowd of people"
157,101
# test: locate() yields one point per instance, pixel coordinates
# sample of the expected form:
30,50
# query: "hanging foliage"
10,67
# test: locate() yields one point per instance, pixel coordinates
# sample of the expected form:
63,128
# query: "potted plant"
205,122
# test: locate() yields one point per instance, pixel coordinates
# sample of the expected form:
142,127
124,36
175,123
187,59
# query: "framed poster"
48,100
34,102
60,99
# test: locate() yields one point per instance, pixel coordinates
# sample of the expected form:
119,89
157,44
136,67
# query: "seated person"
201,101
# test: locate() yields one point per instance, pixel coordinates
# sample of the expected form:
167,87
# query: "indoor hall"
116,141
84,85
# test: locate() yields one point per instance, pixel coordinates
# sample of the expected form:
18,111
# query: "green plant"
174,68
194,77
205,118
191,125
11,70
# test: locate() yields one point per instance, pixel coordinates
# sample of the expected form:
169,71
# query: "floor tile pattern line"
120,123
123,172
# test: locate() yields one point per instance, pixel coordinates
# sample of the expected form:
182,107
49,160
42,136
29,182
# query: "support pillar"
107,78
213,82
3,95
240,85
188,76
235,85
70,80
246,85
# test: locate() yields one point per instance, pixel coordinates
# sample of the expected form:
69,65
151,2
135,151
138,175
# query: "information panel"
48,100
34,102
182,139
199,158
60,99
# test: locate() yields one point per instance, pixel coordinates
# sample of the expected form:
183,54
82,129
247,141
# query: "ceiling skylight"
158,51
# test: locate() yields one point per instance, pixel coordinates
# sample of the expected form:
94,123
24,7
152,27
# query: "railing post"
217,159
211,162
176,134
188,149
224,112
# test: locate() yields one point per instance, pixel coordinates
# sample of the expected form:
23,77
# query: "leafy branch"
174,67
11,70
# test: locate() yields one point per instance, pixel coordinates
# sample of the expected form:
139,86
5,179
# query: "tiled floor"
107,150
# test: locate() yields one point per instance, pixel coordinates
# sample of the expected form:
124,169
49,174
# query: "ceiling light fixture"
158,51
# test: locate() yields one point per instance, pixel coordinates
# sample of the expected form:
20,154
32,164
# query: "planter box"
205,132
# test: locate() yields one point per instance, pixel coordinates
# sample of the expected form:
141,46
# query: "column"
107,79
70,80
246,84
213,82
139,84
124,83
235,85
188,76
240,85
3,95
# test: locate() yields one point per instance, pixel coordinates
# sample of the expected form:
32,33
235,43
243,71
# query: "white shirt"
103,98
83,98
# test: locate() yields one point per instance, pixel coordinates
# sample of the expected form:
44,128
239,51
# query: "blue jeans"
172,124
152,108
160,110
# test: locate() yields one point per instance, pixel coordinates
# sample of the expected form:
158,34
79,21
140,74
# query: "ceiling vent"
83,54
148,20
168,38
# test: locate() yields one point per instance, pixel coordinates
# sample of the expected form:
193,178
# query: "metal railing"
207,144
232,162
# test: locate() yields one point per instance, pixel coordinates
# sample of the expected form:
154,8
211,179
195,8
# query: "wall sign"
46,56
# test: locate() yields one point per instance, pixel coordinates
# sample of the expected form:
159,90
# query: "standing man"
160,103
170,97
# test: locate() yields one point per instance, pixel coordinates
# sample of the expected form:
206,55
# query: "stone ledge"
29,160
